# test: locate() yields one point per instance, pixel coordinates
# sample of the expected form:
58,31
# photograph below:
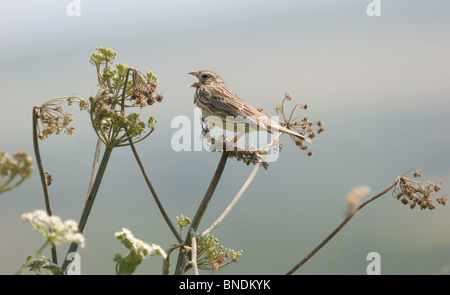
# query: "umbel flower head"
53,229
211,255
52,118
183,221
418,194
139,250
299,123
21,164
121,88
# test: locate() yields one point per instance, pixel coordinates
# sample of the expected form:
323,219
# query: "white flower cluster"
139,247
53,229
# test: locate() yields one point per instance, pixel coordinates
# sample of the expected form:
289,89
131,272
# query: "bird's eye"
204,76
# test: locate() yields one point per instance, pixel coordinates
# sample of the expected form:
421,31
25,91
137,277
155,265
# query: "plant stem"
233,202
30,260
93,193
339,227
193,250
37,153
144,173
155,196
201,209
94,166
209,193
3,187
90,200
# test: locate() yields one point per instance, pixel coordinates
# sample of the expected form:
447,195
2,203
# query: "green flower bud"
151,76
122,69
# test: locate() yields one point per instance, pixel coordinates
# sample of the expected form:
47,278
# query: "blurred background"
380,84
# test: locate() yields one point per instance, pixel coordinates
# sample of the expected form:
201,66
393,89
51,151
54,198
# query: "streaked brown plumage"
218,102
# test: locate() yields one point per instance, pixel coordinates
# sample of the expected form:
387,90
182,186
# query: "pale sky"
380,84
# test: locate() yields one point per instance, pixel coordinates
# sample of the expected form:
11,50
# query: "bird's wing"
229,103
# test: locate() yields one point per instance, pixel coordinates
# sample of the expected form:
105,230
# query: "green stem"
29,261
181,263
155,196
42,175
4,188
90,200
11,178
94,165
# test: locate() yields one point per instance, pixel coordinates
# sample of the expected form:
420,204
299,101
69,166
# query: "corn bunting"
225,109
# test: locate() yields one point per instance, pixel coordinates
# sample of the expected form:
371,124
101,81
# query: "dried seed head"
441,200
417,193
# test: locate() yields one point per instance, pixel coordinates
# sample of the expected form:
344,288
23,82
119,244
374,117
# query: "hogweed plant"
54,231
116,118
49,118
20,165
139,250
122,89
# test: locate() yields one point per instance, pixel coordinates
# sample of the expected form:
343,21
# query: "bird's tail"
293,133
273,126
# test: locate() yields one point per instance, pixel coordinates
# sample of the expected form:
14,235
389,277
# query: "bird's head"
206,78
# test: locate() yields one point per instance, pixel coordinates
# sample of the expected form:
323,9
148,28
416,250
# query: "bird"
223,108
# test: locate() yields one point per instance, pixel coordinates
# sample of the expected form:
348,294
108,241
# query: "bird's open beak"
196,75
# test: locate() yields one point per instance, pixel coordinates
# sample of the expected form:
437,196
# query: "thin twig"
340,226
201,209
155,196
234,201
193,250
37,153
